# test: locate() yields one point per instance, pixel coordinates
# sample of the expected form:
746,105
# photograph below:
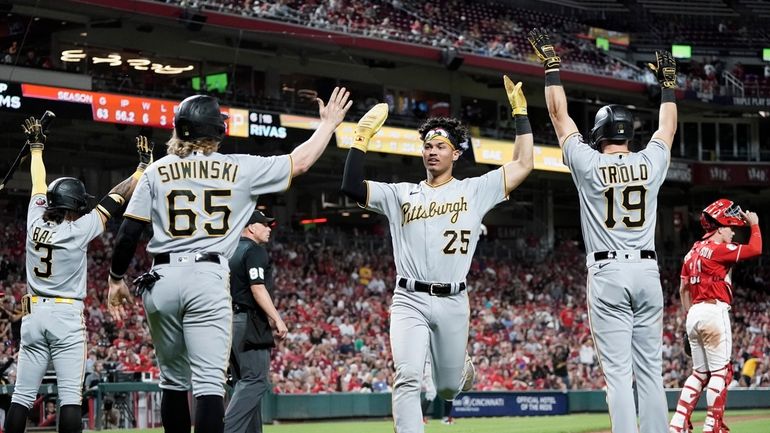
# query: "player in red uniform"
706,293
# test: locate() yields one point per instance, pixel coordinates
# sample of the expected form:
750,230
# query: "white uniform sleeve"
578,156
36,209
269,174
383,198
488,190
86,228
658,157
140,205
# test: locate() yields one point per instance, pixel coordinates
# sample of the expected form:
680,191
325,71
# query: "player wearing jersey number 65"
60,224
198,201
435,225
706,293
618,191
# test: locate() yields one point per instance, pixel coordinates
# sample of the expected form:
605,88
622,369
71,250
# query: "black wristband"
522,124
667,95
552,78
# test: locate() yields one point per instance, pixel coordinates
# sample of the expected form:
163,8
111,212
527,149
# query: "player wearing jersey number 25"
618,191
198,201
706,293
435,225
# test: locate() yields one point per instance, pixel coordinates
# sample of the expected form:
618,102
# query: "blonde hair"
182,148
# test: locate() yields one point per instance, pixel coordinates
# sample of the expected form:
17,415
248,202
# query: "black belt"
165,258
611,255
435,289
238,308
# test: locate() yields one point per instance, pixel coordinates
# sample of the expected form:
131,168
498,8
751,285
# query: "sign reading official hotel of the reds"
475,404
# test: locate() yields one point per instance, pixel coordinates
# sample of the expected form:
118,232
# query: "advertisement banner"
732,174
477,404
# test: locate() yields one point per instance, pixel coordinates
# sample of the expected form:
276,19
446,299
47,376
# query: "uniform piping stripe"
291,172
596,344
138,218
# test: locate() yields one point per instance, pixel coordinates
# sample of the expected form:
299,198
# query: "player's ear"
456,155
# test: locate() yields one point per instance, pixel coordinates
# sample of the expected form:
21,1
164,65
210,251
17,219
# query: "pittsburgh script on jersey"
613,174
433,209
198,170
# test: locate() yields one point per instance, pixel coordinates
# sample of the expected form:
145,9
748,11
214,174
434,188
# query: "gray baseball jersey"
198,204
56,253
56,277
618,194
435,230
618,205
201,203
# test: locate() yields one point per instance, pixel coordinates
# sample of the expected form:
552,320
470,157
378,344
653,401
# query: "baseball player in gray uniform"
435,225
198,201
618,193
59,227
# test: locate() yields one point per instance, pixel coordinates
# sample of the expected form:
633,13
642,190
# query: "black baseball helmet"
612,122
199,117
68,193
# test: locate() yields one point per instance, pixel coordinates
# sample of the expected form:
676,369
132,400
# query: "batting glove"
515,97
369,125
664,69
34,132
144,148
542,43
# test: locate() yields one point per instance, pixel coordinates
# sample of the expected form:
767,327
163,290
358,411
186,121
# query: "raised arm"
332,114
121,193
36,141
555,98
353,184
523,162
665,70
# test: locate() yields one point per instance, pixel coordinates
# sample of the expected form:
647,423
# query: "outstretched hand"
334,111
34,132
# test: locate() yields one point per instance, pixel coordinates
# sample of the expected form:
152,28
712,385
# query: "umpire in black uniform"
254,319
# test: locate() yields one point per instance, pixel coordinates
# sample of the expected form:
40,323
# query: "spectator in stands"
49,416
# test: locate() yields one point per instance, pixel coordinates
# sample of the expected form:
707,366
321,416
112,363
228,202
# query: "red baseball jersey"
707,266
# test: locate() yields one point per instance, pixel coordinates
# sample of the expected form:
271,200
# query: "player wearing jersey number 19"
198,201
435,225
618,192
60,224
706,293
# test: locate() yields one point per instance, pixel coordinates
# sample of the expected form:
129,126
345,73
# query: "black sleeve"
255,261
353,178
125,245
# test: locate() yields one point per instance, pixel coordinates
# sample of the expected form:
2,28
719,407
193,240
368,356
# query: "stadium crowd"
529,327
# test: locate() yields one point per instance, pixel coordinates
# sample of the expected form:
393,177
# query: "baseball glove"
687,348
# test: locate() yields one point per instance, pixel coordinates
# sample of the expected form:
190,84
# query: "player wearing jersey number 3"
618,191
60,224
706,292
435,225
198,201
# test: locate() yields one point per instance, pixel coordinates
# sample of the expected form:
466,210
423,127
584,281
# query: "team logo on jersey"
732,247
40,202
411,213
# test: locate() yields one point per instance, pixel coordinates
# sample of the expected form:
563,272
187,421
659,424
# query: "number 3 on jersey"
182,220
633,200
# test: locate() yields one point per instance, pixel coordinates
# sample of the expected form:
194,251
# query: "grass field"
743,421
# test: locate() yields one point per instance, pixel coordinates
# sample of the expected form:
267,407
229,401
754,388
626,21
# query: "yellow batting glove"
369,125
515,97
